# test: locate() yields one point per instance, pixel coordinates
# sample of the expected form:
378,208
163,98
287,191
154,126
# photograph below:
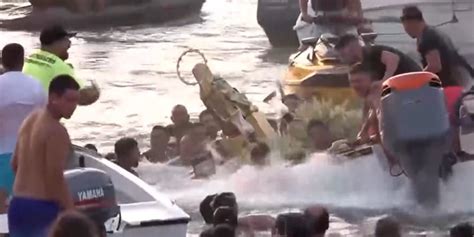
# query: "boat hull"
112,16
143,211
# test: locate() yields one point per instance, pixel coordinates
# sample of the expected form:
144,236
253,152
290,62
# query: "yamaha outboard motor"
415,129
93,194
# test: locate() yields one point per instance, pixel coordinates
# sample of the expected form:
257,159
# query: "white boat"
144,211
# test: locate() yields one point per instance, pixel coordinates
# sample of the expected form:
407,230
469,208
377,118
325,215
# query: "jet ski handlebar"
347,20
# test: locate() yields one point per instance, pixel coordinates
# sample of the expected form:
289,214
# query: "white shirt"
19,96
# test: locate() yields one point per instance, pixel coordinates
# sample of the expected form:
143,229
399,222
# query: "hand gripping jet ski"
318,72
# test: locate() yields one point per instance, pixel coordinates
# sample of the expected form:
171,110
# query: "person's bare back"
42,149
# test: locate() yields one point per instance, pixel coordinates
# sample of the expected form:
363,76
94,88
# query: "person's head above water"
225,199
387,227
319,134
318,220
206,210
56,40
128,154
73,224
292,102
349,48
63,96
291,225
413,21
259,153
207,118
225,215
91,147
13,57
179,115
361,77
159,138
462,230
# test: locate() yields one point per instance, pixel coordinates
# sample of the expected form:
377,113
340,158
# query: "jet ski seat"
310,41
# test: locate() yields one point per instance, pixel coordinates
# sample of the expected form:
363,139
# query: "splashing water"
356,190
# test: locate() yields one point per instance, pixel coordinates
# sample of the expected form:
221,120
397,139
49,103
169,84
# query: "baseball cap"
54,33
411,13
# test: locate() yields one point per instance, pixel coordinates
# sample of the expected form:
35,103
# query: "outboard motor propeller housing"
415,129
93,193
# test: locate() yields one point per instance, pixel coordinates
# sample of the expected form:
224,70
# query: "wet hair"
91,147
462,230
124,145
412,12
225,215
159,127
73,224
318,220
361,68
209,232
345,40
111,156
292,225
226,199
206,210
204,113
60,84
387,227
179,106
224,230
13,56
260,151
315,123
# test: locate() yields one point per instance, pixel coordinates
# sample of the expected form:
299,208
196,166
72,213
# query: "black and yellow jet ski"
317,71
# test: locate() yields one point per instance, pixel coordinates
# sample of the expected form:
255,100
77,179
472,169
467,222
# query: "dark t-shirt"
373,56
432,39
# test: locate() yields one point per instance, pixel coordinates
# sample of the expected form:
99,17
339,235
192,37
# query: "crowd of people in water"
39,91
220,213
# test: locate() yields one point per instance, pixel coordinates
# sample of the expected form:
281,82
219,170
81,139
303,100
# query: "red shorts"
452,95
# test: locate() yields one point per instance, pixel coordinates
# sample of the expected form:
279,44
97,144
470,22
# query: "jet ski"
123,203
415,128
318,72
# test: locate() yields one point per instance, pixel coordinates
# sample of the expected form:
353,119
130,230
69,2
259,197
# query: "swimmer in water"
39,161
159,140
320,137
208,118
318,220
128,154
181,124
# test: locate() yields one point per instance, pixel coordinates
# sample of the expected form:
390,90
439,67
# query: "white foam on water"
357,184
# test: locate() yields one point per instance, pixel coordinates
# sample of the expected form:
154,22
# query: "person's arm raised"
58,147
89,95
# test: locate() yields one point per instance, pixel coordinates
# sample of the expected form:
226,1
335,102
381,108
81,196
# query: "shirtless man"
40,191
361,79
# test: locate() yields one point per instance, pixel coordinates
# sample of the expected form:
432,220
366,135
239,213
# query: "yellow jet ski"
318,72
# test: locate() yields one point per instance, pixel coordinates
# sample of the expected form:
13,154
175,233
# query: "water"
135,68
